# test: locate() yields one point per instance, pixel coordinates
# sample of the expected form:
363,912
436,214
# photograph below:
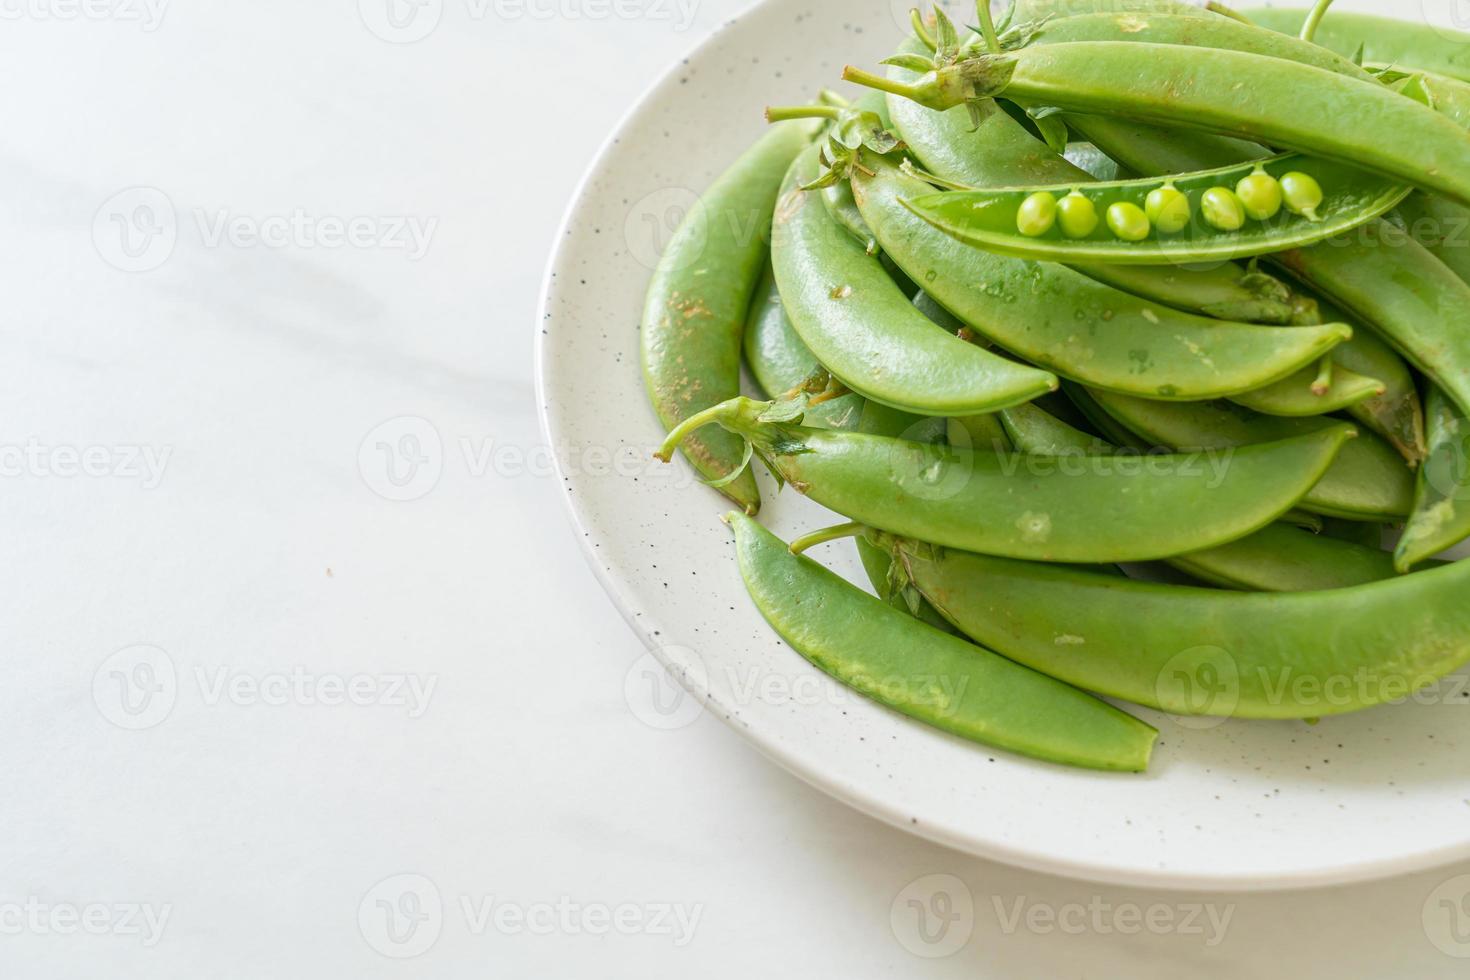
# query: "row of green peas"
1258,195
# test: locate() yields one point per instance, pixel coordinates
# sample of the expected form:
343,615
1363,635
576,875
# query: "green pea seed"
1077,214
1127,221
1259,194
1037,214
1222,209
1167,208
1301,193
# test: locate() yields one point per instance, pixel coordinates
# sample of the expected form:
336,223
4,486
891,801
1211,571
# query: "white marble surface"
249,685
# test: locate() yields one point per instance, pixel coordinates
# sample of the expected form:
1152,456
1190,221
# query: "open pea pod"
1205,217
1196,651
1233,93
1367,481
1083,509
1072,324
930,676
859,325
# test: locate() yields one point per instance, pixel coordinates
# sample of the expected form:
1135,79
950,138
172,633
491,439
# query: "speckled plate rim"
644,623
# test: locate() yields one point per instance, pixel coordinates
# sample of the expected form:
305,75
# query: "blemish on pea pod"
1000,220
1251,654
933,677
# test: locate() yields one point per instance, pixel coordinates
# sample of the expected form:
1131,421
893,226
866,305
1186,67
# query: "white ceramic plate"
1235,805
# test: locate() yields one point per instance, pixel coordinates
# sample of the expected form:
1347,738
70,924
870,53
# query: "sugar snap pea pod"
1161,27
1442,227
1382,39
1074,325
1197,651
780,362
863,329
995,218
697,300
1278,558
1300,394
1441,515
1367,480
1284,103
1098,417
876,419
1087,509
1413,299
930,676
1397,414
1225,290
1036,431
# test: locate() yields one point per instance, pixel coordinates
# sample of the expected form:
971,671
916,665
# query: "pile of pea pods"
1132,341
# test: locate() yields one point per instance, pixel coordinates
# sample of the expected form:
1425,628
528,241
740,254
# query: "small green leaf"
912,62
1358,55
734,474
1054,131
788,410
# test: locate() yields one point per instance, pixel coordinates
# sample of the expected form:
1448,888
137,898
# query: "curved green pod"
1385,40
1441,515
1395,278
1442,227
930,676
988,218
780,362
1297,396
1199,651
1277,558
1271,100
695,308
1081,509
1191,29
1417,302
862,328
1367,480
1075,326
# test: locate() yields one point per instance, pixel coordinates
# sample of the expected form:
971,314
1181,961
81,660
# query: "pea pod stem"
834,533
782,113
1314,18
